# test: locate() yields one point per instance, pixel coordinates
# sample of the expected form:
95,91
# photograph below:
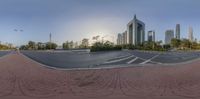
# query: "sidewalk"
21,78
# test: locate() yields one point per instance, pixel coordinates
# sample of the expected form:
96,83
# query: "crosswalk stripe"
114,61
149,59
132,60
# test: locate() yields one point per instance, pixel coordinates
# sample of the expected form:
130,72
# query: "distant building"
119,39
124,37
195,40
151,36
190,34
169,35
178,31
59,47
135,32
76,45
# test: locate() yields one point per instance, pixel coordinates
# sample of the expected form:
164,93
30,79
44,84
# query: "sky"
78,19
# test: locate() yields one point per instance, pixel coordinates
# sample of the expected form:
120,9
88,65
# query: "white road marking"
132,60
121,56
149,59
114,61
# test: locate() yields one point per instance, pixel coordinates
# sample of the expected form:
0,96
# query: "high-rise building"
119,39
124,36
135,32
190,34
151,36
178,31
169,35
195,40
50,38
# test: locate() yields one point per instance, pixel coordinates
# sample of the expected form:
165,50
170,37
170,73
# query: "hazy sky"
76,19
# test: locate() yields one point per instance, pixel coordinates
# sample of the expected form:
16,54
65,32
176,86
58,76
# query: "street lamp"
50,40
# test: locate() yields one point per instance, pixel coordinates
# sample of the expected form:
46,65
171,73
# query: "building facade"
178,30
124,37
135,32
119,39
169,35
151,36
190,34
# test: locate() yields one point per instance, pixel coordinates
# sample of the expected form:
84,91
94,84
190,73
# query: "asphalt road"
2,53
72,59
101,59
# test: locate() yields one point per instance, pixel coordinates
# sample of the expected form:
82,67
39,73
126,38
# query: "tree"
50,45
23,47
175,42
166,46
105,46
96,38
31,45
76,45
108,45
85,43
195,45
130,46
5,47
66,45
71,44
185,43
39,46
151,45
159,42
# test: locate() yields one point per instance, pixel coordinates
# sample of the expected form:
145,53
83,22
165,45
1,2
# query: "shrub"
104,46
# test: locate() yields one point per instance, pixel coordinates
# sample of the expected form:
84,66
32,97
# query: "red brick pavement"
21,78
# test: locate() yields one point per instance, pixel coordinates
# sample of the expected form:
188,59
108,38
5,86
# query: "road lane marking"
114,61
132,60
121,57
149,59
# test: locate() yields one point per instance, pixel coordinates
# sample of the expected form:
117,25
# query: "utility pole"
50,40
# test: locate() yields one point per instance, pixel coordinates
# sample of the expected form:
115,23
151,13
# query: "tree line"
38,46
6,46
104,46
75,45
176,44
184,44
31,45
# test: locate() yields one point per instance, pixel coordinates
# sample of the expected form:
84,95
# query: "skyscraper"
177,31
124,36
151,36
50,37
190,34
135,31
169,35
119,39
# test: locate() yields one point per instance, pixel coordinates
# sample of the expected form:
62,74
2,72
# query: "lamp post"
50,40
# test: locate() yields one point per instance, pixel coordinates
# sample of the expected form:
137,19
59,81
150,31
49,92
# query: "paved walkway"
22,78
